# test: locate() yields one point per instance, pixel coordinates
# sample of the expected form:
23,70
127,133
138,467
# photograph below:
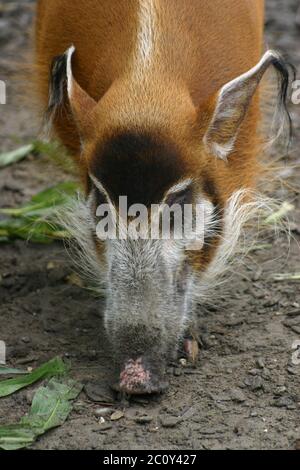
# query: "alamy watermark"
2,92
159,222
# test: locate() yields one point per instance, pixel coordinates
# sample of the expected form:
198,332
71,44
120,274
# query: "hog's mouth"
137,379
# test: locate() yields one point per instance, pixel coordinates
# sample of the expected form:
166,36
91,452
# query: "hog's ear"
233,101
64,88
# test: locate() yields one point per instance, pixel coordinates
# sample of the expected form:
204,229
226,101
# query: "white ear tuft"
64,86
69,53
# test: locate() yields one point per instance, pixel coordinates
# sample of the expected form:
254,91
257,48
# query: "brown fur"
203,45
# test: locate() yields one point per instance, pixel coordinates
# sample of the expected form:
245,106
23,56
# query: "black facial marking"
140,166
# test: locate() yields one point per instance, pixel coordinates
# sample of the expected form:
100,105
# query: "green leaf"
15,436
10,371
51,368
45,202
16,155
28,229
37,220
51,405
50,408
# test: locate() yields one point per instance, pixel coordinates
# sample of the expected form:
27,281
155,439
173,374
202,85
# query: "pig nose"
136,379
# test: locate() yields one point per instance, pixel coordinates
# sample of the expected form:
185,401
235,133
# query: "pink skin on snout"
134,377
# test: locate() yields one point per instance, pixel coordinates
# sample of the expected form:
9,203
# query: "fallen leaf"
50,408
51,368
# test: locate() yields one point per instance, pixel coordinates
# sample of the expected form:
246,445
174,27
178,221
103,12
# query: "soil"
244,392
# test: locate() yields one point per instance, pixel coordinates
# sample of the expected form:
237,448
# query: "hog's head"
148,141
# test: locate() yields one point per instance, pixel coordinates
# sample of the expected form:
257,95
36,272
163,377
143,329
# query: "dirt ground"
244,392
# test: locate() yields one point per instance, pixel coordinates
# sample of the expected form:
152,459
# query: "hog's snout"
138,379
144,314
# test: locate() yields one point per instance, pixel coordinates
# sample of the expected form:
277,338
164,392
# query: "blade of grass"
9,158
51,368
282,212
286,277
50,408
263,246
4,370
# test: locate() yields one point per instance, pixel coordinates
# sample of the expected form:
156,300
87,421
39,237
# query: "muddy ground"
244,392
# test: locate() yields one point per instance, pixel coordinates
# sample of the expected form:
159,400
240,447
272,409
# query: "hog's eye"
185,196
100,197
175,204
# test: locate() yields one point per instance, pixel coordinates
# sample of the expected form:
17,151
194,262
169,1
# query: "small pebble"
182,362
254,382
284,402
117,415
253,371
144,419
292,371
260,363
169,421
237,395
25,339
99,412
280,391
